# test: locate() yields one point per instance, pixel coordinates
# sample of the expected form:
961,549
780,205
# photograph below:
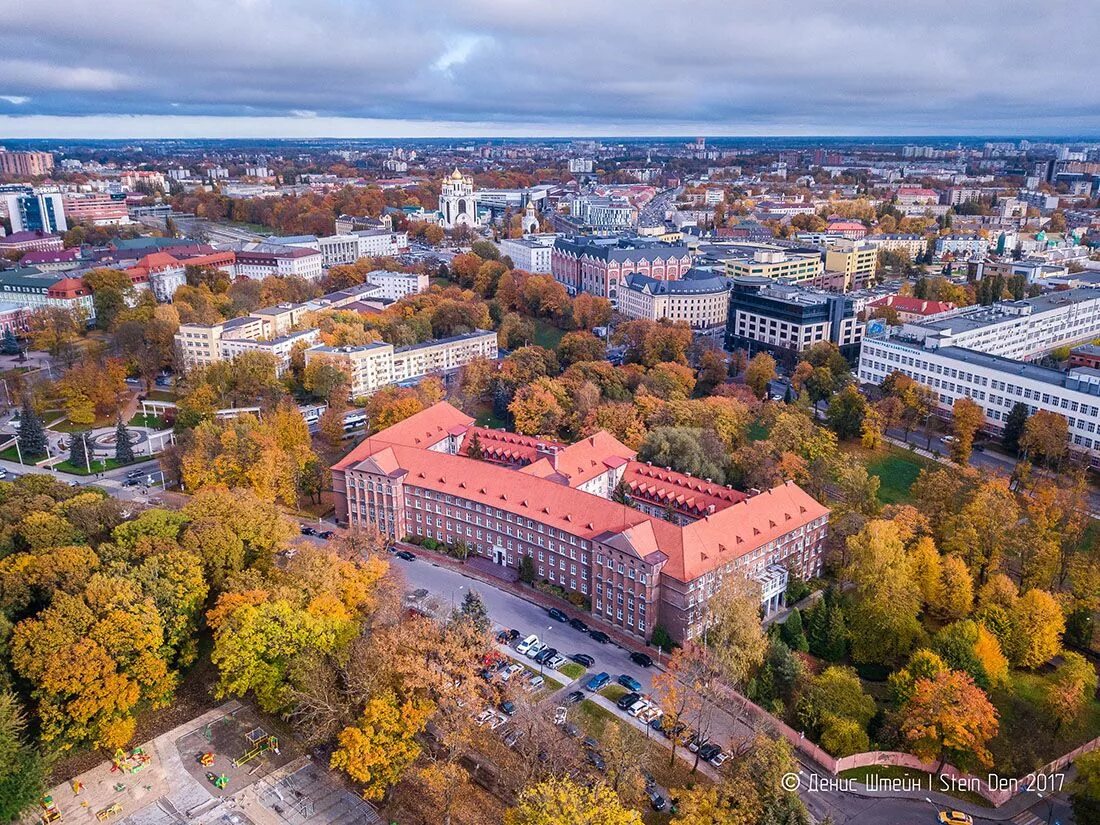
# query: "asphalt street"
822,798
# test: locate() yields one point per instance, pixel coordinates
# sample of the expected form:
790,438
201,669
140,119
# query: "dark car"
308,531
626,701
591,742
406,555
598,682
577,624
546,655
557,615
502,637
595,760
709,751
326,534
599,636
657,802
629,682
131,482
574,697
641,659
508,707
583,659
513,634
570,730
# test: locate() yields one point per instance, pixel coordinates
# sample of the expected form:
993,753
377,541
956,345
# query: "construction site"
223,768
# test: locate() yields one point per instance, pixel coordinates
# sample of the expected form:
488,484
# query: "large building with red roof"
654,560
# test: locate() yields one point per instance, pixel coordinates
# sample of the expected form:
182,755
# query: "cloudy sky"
363,68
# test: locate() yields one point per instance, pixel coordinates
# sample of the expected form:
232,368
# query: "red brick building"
600,265
555,504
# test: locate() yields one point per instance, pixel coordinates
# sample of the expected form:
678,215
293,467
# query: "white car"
650,713
484,716
527,643
510,671
554,662
638,707
560,712
497,720
534,684
719,759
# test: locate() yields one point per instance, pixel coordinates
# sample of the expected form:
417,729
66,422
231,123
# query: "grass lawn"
161,395
757,431
66,426
927,781
547,335
572,671
11,454
98,466
897,469
486,417
614,692
593,719
153,421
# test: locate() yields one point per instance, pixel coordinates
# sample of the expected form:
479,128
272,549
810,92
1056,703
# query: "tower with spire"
457,202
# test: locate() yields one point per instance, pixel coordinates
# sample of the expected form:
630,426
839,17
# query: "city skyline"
288,69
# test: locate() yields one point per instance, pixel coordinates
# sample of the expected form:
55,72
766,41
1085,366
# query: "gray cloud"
485,66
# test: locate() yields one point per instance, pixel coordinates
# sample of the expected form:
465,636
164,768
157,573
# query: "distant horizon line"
687,136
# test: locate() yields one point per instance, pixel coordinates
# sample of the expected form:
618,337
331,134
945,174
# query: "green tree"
23,771
1015,425
32,435
1086,788
10,344
78,450
792,633
473,610
124,449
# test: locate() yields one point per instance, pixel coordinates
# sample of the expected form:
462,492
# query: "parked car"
629,682
557,615
638,706
512,737
406,555
546,654
508,707
651,714
574,697
527,644
326,534
719,759
599,636
307,530
484,716
595,760
695,742
626,700
583,659
709,751
554,662
600,680
591,743
656,801
955,818
510,671
641,659
497,720
570,730
535,649
535,683
577,624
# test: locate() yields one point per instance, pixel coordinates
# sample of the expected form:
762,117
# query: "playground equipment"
129,763
260,742
206,759
220,782
77,787
50,813
106,813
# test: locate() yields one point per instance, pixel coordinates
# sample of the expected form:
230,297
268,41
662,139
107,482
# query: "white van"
527,644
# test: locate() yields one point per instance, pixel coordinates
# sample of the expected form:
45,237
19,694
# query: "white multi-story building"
347,248
995,383
279,347
700,299
396,285
961,247
260,261
1021,330
912,244
531,253
373,366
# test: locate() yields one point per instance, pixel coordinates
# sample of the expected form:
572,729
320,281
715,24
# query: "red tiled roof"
423,430
681,492
403,451
581,462
915,306
508,448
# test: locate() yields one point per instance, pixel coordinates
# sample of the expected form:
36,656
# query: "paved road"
511,611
